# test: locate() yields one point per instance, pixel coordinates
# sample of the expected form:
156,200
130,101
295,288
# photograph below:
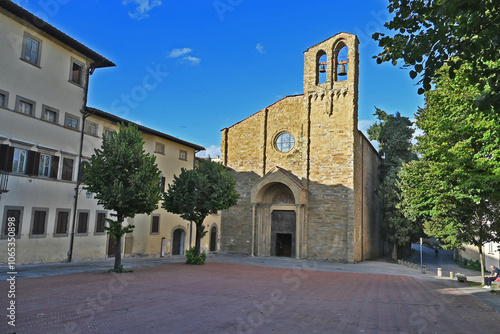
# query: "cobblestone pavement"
239,294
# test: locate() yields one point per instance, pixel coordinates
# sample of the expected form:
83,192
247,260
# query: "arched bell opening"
321,67
341,62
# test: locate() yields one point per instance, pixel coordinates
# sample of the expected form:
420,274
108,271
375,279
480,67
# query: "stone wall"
330,158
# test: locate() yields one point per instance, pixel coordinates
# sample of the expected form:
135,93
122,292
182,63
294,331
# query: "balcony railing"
4,179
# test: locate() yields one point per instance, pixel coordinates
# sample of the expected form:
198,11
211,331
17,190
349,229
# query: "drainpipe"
86,114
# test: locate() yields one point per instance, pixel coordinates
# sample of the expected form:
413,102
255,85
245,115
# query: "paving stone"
239,298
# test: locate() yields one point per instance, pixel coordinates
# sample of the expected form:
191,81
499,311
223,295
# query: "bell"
322,68
342,72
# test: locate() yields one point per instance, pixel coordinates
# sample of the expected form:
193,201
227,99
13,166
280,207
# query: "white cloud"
192,60
143,7
176,53
260,48
213,152
184,53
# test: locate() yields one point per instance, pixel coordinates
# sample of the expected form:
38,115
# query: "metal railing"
4,179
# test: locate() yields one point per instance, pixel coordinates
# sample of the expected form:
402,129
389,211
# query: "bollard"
440,272
424,269
452,274
399,261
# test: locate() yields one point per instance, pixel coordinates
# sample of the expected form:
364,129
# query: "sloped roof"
335,36
23,15
284,98
142,128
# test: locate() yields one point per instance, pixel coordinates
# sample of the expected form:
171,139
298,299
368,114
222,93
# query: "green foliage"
454,187
429,34
472,265
394,134
192,258
124,178
196,192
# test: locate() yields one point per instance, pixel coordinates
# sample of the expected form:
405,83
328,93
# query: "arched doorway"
279,204
178,242
213,239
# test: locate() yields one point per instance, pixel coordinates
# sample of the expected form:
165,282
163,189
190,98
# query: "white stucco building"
46,129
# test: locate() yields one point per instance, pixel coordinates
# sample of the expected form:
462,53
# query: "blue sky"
191,68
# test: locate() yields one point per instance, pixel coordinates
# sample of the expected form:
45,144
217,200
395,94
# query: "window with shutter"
100,222
62,222
83,223
39,220
155,224
19,162
67,172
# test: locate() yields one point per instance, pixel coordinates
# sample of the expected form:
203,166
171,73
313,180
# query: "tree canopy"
455,185
431,33
196,192
393,134
124,178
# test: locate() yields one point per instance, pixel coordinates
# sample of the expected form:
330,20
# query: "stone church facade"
307,177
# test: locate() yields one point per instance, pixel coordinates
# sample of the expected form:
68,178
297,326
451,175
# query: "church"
307,177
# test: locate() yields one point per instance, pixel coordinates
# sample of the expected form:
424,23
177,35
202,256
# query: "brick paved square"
234,298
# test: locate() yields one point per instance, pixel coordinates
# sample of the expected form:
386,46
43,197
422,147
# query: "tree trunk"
118,254
394,252
481,261
198,240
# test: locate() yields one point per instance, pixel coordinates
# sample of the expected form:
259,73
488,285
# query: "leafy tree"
431,33
455,185
394,134
125,180
196,192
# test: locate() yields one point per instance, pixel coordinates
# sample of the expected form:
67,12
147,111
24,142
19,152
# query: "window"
12,221
49,114
159,148
31,49
285,142
62,219
71,122
108,132
155,225
19,162
25,106
39,222
67,171
100,222
91,128
183,155
162,183
76,73
45,164
83,222
4,99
